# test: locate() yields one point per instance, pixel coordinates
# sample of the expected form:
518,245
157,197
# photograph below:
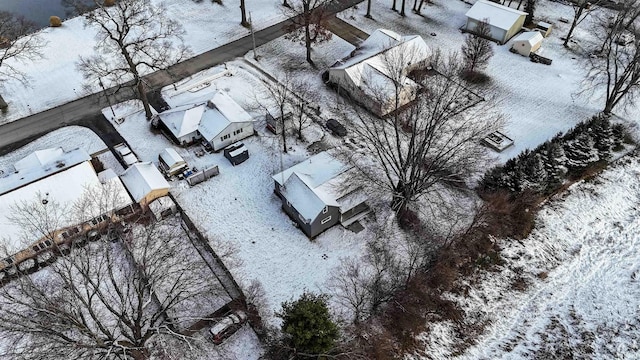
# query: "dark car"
336,128
227,326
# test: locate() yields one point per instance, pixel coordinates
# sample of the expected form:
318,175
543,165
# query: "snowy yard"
55,79
538,100
581,264
238,207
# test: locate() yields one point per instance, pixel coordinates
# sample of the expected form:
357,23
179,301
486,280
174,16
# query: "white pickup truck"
126,154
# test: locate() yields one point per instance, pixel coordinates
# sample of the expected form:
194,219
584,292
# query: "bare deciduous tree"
301,92
477,50
433,139
623,21
616,70
581,10
243,10
308,23
134,37
124,296
278,96
18,44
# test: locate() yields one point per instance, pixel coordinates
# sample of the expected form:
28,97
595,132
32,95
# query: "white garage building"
504,22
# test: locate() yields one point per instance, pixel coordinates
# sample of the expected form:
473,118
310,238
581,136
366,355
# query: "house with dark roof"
316,194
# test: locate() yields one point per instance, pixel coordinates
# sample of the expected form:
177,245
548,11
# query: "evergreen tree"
534,172
617,135
602,136
307,324
554,158
580,152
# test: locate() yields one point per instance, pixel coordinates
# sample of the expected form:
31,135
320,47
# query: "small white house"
170,162
504,22
182,122
527,42
220,121
365,76
224,122
145,183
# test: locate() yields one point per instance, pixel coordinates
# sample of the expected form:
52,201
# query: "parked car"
227,326
126,154
336,128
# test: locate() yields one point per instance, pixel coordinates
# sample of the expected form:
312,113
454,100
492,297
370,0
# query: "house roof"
532,37
367,64
500,16
40,164
183,120
308,186
142,178
220,112
66,188
171,157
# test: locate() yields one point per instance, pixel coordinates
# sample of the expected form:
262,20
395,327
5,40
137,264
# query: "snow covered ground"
539,100
238,208
55,80
582,267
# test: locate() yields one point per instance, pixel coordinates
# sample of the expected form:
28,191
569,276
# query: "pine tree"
602,136
307,324
618,134
535,174
554,159
580,152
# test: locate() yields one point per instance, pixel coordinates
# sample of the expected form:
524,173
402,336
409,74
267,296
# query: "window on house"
326,208
302,219
288,203
325,220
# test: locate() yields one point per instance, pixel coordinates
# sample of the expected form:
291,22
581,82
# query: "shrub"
54,21
307,324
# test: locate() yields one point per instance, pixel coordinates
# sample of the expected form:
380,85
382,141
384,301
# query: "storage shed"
527,42
236,153
504,22
170,162
145,183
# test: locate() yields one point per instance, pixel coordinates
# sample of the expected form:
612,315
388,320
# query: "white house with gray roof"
220,121
367,73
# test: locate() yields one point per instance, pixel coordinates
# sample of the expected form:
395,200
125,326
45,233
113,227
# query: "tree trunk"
402,8
143,97
420,7
368,14
393,7
243,9
283,130
307,31
285,3
573,25
3,104
519,4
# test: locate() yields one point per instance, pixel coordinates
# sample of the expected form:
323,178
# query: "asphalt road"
86,111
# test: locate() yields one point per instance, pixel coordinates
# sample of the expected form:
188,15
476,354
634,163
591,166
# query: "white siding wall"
218,143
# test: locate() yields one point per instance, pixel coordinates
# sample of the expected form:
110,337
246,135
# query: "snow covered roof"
367,64
142,178
171,157
40,164
220,112
183,120
66,188
308,185
500,16
532,37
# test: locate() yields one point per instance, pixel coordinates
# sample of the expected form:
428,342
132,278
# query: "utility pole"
107,96
253,37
